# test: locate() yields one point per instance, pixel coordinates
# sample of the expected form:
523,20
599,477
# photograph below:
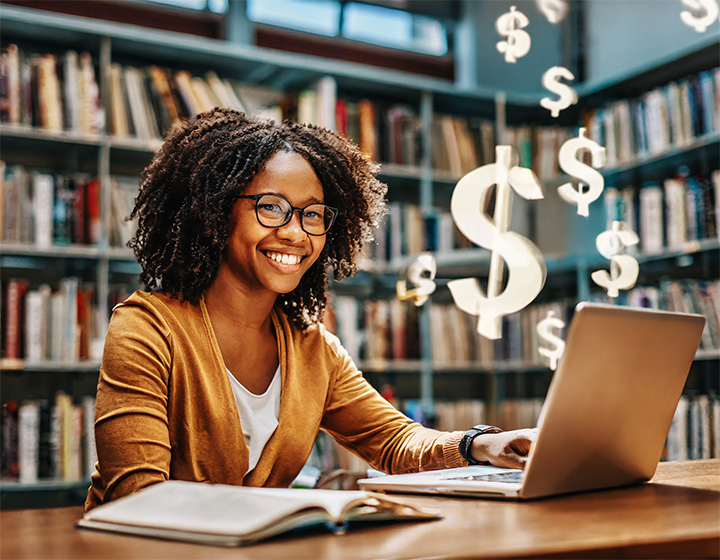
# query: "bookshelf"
420,182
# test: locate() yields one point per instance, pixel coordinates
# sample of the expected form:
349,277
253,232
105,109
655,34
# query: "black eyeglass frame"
293,209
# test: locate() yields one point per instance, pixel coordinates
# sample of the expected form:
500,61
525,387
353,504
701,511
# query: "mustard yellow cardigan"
165,408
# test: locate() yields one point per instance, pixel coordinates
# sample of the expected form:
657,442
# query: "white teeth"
284,259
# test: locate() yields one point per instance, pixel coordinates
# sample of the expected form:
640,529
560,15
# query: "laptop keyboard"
508,476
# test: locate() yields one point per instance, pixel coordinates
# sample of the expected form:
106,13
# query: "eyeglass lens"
273,211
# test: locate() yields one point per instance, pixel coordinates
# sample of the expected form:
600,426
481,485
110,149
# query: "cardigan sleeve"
361,420
131,411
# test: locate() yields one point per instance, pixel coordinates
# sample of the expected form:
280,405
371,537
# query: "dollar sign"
571,165
526,265
554,10
624,269
421,274
518,41
551,81
703,22
544,331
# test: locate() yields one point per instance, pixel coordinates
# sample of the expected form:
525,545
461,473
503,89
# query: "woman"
222,372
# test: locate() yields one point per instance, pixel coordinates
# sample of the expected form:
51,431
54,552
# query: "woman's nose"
293,229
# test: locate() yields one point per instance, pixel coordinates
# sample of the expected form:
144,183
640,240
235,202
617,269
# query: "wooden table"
676,515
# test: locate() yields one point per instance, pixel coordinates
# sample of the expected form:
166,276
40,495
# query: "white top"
258,414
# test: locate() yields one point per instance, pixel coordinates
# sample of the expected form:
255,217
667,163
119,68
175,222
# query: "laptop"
606,416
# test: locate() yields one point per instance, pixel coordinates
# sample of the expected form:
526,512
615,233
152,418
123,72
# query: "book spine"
9,418
63,211
675,213
28,442
92,211
88,430
70,349
13,84
92,116
46,466
43,206
74,470
3,199
34,327
56,440
118,115
651,218
16,289
4,87
71,91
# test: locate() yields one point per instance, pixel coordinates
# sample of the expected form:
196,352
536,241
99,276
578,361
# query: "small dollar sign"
624,269
518,41
551,81
571,165
544,331
421,274
525,264
700,23
554,10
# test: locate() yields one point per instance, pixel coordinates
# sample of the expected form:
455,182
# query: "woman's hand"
505,449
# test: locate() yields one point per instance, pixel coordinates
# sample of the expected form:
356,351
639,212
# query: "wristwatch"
470,435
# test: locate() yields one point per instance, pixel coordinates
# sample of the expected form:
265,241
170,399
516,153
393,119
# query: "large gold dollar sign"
525,263
518,41
571,165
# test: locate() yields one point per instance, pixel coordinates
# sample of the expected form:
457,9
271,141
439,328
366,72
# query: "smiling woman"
239,222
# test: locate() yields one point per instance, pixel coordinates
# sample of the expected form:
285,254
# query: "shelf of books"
84,105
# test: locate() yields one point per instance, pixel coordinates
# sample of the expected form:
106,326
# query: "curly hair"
188,191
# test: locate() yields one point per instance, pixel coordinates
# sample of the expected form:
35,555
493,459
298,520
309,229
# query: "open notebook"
225,515
606,415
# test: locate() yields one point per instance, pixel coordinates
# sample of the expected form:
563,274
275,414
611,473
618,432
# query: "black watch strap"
470,435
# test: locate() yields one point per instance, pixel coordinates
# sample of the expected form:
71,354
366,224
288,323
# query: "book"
47,460
9,417
157,102
119,125
71,93
28,441
651,217
13,311
368,140
37,311
225,515
675,228
13,83
63,207
92,211
43,206
138,113
49,94
89,451
123,191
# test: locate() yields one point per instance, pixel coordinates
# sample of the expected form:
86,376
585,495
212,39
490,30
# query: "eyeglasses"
274,211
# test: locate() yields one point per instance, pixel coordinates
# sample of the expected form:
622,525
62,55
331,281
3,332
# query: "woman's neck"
243,327
234,305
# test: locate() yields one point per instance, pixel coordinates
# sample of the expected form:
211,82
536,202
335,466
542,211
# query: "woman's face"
274,259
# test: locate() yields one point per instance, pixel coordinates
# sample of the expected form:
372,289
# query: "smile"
284,258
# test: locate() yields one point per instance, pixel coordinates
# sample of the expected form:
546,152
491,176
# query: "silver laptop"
606,415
